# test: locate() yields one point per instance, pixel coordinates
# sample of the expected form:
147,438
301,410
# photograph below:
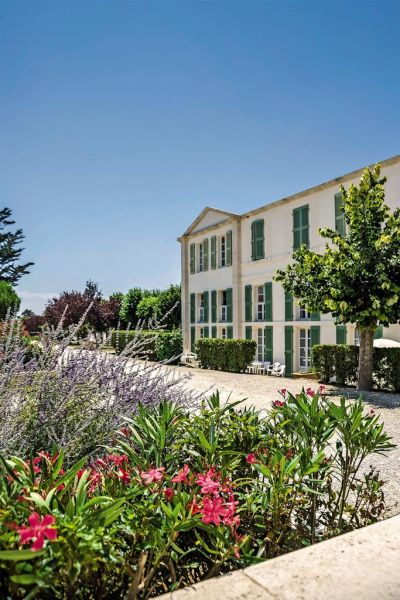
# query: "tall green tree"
128,311
357,278
10,253
9,301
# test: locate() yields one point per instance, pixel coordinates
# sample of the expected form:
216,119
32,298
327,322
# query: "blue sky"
120,121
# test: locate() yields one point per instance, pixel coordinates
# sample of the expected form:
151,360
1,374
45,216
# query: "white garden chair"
273,368
189,359
263,368
279,371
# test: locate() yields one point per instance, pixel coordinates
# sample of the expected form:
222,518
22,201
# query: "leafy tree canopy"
9,301
357,277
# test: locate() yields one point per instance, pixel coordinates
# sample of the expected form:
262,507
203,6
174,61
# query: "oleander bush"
225,355
176,497
341,362
158,345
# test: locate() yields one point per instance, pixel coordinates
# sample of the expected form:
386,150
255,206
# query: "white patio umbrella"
383,343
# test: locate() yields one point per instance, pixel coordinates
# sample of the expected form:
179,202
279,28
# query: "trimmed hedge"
225,355
157,345
341,362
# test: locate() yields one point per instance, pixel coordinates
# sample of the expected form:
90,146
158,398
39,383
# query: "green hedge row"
155,345
225,355
341,362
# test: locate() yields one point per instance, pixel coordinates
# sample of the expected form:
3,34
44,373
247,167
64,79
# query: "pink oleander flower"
283,392
236,551
207,483
153,475
230,518
278,403
194,507
38,530
95,480
310,392
251,458
123,475
322,389
117,459
169,493
182,475
213,511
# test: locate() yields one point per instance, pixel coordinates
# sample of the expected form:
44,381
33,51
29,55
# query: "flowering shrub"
52,395
177,497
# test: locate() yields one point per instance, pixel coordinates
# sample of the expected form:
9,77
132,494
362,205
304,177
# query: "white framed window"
223,333
260,303
260,345
304,314
223,307
223,251
201,258
357,337
201,309
305,349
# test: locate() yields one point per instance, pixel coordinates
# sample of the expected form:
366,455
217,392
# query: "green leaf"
25,579
17,555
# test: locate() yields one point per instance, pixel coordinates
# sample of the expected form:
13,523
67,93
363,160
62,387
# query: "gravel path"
260,391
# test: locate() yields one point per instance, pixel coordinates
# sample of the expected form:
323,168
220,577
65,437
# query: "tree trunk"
365,362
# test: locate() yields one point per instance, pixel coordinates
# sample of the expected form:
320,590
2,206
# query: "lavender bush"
54,395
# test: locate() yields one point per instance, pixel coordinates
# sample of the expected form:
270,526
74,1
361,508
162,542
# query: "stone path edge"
363,564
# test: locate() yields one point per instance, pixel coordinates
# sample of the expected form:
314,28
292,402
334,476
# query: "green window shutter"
341,334
229,332
214,331
268,343
257,235
228,248
193,257
288,307
340,221
192,338
305,236
248,304
206,332
300,227
229,305
268,301
296,229
249,332
213,253
315,335
193,308
205,254
315,316
378,333
206,307
213,306
288,350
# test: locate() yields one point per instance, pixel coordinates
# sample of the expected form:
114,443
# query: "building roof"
337,180
203,213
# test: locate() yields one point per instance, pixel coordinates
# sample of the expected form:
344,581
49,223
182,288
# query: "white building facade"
228,265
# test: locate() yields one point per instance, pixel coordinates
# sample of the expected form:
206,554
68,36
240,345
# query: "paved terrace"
361,565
